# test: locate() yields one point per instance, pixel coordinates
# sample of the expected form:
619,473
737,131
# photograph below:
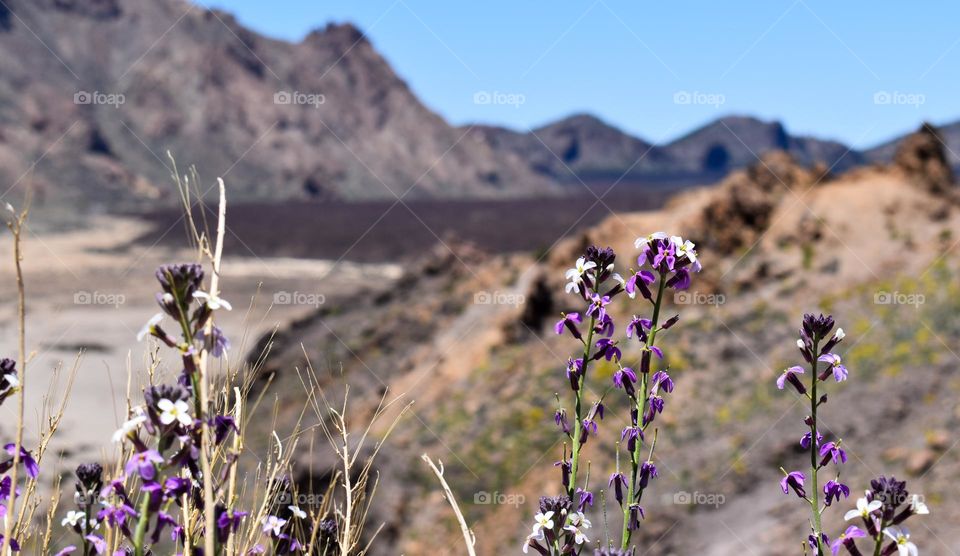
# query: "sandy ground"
87,292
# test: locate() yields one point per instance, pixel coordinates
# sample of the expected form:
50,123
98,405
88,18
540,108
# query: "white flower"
174,411
578,536
543,521
800,344
643,241
901,536
130,426
864,509
12,382
213,301
149,327
273,524
577,519
918,506
297,512
839,335
686,248
537,535
73,519
575,274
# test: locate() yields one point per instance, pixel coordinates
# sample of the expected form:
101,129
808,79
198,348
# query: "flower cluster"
164,437
664,263
558,525
816,344
882,511
287,526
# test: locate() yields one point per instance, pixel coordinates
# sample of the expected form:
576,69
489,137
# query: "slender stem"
578,426
641,402
879,544
16,227
814,455
209,508
141,531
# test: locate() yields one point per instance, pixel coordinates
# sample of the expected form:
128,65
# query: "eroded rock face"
923,157
743,203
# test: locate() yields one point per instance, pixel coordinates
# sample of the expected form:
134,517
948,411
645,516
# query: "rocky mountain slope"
101,89
467,336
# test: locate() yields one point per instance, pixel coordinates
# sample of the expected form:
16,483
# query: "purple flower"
618,481
625,378
790,375
574,371
222,425
639,282
29,463
176,486
565,469
631,434
228,522
586,498
144,464
598,305
647,471
832,450
812,541
219,344
805,440
654,405
636,514
640,326
570,322
656,351
680,280
793,480
665,257
560,418
846,539
607,349
832,491
604,326
163,520
839,371
661,379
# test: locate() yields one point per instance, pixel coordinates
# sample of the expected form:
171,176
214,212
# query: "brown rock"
922,156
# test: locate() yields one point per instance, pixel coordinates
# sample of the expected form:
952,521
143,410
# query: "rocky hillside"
467,335
99,90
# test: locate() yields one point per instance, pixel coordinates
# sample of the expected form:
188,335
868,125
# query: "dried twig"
468,537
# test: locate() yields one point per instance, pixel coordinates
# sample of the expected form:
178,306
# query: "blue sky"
860,72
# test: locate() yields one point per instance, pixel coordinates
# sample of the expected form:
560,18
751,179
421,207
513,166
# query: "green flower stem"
577,433
626,533
814,455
